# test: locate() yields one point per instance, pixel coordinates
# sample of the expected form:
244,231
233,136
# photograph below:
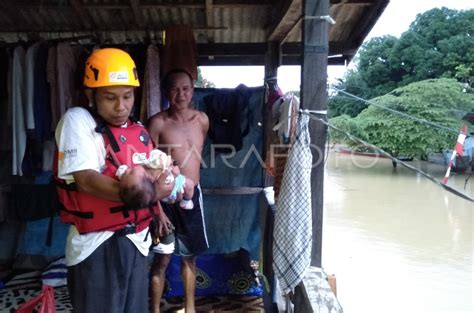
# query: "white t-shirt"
83,148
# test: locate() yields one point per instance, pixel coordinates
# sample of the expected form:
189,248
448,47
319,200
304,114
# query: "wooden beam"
231,49
231,60
286,21
367,22
287,49
297,60
210,20
255,54
137,13
315,49
364,2
291,18
147,6
209,13
232,191
272,59
12,12
335,48
193,5
259,60
296,25
80,10
241,2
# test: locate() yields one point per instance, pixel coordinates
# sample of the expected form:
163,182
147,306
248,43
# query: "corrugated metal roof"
213,21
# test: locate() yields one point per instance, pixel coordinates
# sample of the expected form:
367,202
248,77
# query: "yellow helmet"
110,67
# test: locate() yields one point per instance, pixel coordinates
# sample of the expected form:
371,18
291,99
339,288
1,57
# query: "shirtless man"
182,130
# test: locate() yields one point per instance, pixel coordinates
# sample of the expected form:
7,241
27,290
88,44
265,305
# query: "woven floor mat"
217,304
11,298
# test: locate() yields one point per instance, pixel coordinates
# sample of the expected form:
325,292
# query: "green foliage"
439,101
439,43
343,104
463,72
344,123
375,60
203,82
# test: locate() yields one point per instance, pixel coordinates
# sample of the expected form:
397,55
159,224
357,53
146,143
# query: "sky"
394,21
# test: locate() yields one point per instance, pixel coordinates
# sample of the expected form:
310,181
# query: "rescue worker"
108,242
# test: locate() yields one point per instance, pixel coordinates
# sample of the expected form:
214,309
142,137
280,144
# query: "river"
395,240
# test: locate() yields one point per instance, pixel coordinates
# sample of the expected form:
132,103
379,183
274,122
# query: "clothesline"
321,112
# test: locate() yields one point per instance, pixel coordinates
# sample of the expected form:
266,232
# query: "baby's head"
136,188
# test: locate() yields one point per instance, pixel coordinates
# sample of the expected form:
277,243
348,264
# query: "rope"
411,167
463,112
421,120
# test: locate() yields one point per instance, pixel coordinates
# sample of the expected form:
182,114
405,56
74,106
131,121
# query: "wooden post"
272,59
314,97
314,45
272,62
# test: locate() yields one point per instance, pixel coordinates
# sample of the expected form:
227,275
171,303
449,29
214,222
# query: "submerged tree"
412,130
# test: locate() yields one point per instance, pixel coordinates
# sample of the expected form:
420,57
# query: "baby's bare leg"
188,189
187,202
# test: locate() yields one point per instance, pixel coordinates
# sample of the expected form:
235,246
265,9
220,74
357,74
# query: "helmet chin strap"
92,108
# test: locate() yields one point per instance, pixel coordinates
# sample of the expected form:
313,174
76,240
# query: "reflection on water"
396,241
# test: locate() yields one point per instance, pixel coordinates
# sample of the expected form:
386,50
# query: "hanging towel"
293,226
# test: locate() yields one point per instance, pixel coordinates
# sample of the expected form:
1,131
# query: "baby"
137,184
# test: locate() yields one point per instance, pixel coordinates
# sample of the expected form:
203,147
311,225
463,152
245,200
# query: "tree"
375,66
437,101
463,73
203,82
344,104
439,43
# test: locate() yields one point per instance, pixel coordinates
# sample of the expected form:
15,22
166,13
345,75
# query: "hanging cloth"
286,110
151,94
18,110
272,92
284,114
51,77
65,66
70,63
179,50
293,217
41,102
30,59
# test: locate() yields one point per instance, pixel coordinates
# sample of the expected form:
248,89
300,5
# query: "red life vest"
90,213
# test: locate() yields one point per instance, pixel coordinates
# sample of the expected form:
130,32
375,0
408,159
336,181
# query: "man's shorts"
189,237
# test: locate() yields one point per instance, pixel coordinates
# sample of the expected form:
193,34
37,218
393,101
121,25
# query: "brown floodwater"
395,240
